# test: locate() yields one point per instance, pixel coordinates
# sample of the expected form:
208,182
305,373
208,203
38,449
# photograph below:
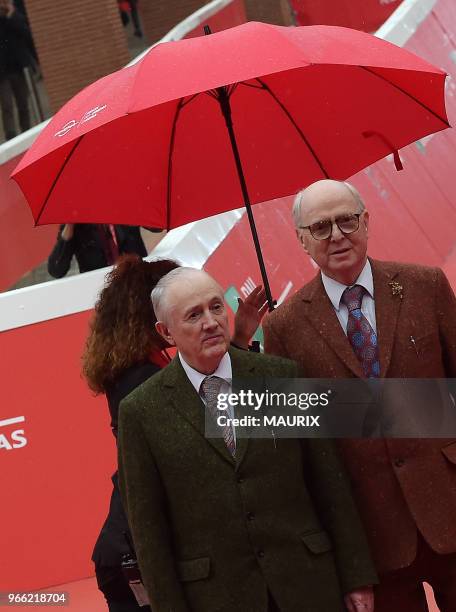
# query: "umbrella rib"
215,93
252,85
293,122
379,76
189,100
57,178
170,161
232,88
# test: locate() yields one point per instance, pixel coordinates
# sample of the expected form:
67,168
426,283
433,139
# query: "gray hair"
297,204
158,295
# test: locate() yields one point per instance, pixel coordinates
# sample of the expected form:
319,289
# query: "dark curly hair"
122,331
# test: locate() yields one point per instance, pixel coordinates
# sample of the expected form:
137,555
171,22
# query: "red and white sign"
10,436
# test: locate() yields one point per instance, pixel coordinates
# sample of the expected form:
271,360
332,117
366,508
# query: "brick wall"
270,11
77,43
160,16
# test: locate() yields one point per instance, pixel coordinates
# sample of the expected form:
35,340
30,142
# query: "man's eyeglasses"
323,229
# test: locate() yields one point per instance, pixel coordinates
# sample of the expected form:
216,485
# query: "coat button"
261,553
250,516
399,463
240,479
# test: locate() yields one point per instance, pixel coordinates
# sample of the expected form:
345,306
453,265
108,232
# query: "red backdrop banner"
55,487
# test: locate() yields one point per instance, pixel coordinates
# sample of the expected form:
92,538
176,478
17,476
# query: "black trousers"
14,85
117,591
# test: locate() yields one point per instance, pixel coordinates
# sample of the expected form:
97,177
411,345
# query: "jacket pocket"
193,569
317,542
422,344
450,452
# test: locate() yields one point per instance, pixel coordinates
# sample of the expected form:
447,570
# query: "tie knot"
352,297
211,388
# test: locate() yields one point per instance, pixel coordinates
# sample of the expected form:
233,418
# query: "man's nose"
209,320
336,234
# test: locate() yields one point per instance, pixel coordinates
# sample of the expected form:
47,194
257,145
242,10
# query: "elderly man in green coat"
229,524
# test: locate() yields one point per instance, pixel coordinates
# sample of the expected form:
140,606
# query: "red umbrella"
148,145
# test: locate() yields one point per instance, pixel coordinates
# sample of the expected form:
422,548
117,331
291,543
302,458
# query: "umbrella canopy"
148,144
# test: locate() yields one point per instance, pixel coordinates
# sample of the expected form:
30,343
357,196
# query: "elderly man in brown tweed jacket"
365,318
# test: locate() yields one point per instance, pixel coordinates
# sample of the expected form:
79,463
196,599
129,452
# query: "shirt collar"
223,370
334,289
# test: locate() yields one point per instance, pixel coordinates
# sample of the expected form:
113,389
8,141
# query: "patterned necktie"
211,388
360,333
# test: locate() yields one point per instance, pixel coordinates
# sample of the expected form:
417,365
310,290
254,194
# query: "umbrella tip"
207,30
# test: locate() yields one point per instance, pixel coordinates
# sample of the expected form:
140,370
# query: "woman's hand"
248,316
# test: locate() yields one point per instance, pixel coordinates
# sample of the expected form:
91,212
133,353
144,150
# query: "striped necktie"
210,387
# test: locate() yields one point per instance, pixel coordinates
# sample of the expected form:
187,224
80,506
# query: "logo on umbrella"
93,112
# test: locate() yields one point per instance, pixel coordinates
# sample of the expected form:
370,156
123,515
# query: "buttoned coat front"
216,534
399,484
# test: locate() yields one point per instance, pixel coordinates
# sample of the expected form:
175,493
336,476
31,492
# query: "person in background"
20,6
127,9
123,350
15,55
94,246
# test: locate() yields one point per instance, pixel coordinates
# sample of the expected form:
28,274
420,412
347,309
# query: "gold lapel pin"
396,289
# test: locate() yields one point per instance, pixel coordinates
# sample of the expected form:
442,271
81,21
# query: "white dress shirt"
223,371
334,289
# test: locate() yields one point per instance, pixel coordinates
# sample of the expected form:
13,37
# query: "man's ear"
366,219
302,239
164,332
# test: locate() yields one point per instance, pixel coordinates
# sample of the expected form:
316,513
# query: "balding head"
190,309
338,208
322,191
164,293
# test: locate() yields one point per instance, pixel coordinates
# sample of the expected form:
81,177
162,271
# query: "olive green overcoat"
214,534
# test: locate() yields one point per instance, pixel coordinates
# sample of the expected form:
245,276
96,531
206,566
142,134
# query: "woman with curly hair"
123,350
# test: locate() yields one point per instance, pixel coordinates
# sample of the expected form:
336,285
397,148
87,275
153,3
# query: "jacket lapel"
387,306
319,311
189,405
242,366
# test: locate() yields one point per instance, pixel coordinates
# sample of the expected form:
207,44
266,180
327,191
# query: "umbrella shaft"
226,111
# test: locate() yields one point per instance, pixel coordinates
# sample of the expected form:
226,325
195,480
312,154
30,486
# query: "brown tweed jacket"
399,485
